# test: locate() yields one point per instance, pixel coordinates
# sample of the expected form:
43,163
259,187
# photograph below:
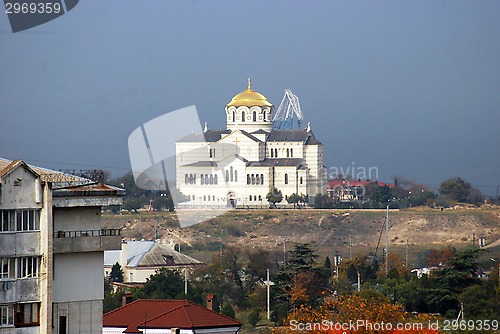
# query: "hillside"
327,231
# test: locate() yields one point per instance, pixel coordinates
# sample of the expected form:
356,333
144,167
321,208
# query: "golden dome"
249,98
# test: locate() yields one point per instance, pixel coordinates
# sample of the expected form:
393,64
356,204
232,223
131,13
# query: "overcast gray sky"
410,87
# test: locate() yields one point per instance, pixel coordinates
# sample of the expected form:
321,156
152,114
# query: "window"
242,116
253,178
6,315
204,197
275,152
202,179
257,179
235,176
255,116
27,314
191,178
301,180
216,181
260,198
211,179
193,198
20,220
248,178
227,176
250,199
213,197
210,153
186,179
288,153
234,117
291,153
232,173
286,178
261,178
7,268
272,153
27,267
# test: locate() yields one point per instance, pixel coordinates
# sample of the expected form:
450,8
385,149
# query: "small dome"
249,98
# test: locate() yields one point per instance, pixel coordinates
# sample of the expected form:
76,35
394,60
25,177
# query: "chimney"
210,301
127,298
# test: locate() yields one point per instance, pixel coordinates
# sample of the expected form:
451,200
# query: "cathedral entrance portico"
231,200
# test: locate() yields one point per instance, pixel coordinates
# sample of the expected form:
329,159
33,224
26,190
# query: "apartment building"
52,250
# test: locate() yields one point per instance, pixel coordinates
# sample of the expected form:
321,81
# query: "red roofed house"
162,316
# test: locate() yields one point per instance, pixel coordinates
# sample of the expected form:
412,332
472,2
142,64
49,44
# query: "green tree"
228,311
481,302
461,271
293,199
254,316
116,274
274,196
456,189
165,284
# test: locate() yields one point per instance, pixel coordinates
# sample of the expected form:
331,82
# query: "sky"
409,87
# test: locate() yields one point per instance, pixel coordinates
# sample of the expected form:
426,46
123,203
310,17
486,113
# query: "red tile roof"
152,313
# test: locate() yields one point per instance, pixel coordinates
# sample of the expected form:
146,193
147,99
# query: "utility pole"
185,282
268,284
387,241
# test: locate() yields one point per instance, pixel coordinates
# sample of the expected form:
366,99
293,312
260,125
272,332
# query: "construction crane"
288,110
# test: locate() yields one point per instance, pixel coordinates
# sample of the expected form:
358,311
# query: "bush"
228,311
254,317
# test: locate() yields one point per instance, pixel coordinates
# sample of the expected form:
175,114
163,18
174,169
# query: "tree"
165,284
456,189
254,316
274,196
116,274
293,199
228,311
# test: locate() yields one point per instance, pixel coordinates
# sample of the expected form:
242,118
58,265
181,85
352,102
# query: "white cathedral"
239,166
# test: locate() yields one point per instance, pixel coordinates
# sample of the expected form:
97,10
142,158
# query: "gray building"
51,250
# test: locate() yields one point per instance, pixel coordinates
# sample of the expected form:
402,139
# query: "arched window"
261,178
286,178
235,176
253,178
260,198
248,178
275,152
250,198
232,173
216,181
211,179
202,180
234,116
291,153
191,178
193,198
242,116
210,153
257,179
272,153
227,176
213,197
255,116
288,153
186,179
301,180
204,197
194,179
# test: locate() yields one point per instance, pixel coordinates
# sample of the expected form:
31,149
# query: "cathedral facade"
239,166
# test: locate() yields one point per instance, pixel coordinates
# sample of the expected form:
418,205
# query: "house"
141,259
51,250
166,317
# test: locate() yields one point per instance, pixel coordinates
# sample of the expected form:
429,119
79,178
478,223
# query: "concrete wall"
23,330
78,277
77,219
27,194
84,317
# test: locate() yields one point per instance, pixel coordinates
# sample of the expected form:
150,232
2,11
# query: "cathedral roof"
276,162
208,136
307,137
249,98
202,164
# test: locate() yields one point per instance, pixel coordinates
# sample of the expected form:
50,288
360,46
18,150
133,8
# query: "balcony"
87,241
19,290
